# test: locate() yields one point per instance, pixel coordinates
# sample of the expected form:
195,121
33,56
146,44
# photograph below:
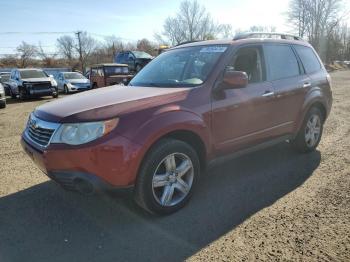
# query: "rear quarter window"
308,58
282,62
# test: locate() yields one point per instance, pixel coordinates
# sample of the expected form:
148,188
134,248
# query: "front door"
243,117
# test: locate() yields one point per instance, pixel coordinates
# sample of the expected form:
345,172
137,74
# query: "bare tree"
146,46
315,19
66,47
85,46
26,52
47,58
225,31
9,61
191,23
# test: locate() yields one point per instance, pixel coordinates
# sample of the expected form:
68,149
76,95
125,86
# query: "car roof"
26,69
108,64
241,41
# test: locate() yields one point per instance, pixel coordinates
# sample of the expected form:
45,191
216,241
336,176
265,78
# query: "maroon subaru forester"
190,106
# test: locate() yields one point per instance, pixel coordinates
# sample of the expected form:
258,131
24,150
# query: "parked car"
31,82
72,82
191,106
4,78
109,74
2,96
136,60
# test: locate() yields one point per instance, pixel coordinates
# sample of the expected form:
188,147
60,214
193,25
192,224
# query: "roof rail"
188,42
267,35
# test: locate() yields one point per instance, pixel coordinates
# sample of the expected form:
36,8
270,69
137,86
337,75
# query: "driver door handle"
306,84
268,94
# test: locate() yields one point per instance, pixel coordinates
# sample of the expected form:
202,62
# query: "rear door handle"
268,94
306,84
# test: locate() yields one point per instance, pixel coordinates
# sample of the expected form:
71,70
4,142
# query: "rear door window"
308,58
282,62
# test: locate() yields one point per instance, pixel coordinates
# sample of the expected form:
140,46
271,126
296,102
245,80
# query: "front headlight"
81,133
53,82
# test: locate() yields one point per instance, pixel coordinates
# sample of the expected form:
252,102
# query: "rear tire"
167,177
310,133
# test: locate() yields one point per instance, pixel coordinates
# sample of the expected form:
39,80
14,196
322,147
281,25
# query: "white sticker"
213,49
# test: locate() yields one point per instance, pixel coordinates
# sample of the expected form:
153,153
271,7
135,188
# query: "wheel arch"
188,136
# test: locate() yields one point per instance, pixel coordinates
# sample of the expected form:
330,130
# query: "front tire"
66,91
22,94
3,104
13,96
167,177
310,133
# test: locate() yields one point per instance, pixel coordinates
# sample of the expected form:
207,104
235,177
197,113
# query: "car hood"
108,102
78,81
41,79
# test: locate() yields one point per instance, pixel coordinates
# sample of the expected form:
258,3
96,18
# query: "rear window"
308,58
282,61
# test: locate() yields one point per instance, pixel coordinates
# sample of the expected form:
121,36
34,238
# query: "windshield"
73,76
32,74
116,70
4,78
185,67
140,54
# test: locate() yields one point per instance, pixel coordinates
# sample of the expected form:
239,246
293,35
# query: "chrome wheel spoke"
167,195
170,163
182,186
160,180
172,179
184,167
317,130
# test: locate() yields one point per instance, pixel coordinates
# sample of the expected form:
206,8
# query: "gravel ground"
271,205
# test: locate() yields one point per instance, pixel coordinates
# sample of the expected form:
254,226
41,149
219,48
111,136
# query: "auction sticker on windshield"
213,49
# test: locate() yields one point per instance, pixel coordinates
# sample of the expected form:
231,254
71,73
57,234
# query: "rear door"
286,73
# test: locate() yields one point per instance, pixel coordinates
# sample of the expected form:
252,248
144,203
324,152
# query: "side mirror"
234,79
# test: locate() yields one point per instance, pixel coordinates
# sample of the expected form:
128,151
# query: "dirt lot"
270,205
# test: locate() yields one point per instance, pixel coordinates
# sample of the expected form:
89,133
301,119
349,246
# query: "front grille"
40,131
40,85
40,135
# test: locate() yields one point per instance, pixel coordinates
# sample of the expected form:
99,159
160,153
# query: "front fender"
166,121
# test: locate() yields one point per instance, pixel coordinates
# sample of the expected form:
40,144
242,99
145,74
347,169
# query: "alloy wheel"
313,130
172,180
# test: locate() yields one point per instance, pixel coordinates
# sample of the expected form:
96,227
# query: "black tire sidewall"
144,194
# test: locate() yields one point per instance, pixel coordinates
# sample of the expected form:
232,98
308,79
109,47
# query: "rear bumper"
110,164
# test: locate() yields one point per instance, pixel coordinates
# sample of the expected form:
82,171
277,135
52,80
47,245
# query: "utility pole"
80,52
113,46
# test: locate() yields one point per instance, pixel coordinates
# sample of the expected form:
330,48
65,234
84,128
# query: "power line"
10,47
34,33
